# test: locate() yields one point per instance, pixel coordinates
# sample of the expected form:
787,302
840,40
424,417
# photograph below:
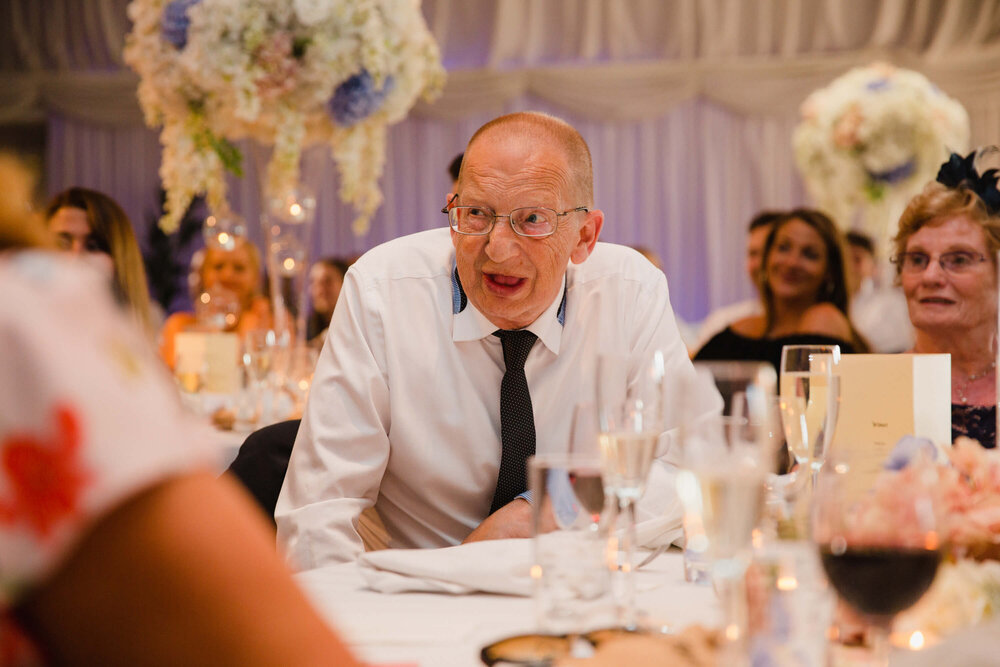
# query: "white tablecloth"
442,630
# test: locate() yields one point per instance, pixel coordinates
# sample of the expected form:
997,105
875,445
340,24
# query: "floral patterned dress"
978,422
88,418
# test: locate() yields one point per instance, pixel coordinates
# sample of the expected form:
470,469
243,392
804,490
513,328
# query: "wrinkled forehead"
510,161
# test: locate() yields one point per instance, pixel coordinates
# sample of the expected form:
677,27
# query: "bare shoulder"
178,322
753,326
826,319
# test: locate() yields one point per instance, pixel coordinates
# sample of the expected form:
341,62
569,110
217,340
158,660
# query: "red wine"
878,580
589,490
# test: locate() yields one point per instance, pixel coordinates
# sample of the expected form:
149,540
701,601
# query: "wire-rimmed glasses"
528,221
958,261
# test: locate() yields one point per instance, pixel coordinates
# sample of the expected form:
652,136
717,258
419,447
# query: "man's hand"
511,520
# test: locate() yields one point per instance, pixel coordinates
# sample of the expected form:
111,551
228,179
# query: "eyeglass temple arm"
453,198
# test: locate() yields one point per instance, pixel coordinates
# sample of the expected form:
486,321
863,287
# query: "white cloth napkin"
492,566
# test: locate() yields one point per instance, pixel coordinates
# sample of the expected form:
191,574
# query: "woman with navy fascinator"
946,262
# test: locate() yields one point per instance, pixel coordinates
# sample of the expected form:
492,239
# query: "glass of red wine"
879,554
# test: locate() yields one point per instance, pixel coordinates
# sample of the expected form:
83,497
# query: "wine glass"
630,421
725,461
258,362
880,553
809,400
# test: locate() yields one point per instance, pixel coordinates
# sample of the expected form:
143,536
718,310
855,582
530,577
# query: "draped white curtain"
688,106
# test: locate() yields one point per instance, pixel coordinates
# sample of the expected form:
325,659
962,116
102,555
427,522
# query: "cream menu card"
213,357
884,397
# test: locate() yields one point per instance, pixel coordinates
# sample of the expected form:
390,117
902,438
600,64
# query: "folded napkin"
658,532
492,566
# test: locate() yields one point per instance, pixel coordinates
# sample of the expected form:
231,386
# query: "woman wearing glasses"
945,260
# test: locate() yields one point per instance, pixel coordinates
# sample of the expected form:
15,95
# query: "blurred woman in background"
804,290
231,276
87,222
326,277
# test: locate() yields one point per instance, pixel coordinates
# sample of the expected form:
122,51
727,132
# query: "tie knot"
516,345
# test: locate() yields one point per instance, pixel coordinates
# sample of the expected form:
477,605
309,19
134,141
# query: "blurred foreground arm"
183,573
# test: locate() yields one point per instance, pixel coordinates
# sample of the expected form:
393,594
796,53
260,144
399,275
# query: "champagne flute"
880,560
630,418
809,400
258,362
726,460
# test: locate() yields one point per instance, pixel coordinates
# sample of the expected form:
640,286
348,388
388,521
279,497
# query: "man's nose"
502,242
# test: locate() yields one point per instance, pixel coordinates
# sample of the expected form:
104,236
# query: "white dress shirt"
404,410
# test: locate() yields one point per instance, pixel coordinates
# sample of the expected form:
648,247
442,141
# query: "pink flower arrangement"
963,493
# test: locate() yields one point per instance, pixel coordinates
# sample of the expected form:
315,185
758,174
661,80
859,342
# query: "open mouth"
936,301
503,284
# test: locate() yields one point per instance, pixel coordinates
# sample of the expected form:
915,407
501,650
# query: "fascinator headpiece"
959,171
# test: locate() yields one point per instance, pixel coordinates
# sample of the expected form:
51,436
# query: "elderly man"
447,363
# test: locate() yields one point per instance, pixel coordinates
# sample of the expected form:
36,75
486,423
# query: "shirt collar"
470,324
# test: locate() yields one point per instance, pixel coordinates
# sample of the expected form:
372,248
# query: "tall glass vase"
287,218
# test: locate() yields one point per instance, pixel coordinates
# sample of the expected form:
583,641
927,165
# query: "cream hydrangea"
287,74
874,130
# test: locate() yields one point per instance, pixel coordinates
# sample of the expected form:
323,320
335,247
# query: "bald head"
538,128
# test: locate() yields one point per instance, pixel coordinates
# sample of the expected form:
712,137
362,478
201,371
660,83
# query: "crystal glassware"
880,554
630,409
809,400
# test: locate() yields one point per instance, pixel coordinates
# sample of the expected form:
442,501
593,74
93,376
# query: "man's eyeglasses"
530,221
958,261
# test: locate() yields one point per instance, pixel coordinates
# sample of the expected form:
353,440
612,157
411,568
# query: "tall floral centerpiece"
286,73
872,139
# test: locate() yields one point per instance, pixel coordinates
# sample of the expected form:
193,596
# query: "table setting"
807,567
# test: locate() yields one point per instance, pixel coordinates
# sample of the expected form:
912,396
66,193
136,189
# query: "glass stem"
627,615
877,638
730,585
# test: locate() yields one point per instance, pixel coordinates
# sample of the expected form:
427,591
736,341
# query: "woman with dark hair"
946,251
803,287
326,277
86,221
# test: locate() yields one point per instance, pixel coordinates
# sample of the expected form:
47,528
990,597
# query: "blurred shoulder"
618,261
826,319
752,326
423,254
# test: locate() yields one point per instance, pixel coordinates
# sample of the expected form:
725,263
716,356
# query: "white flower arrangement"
287,73
875,131
963,594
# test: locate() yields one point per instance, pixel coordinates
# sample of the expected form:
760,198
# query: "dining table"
450,630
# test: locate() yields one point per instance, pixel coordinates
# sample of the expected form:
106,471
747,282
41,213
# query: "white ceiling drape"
688,106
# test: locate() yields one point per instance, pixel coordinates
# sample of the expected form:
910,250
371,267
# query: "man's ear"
589,231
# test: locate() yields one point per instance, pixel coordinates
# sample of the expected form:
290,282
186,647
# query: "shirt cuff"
527,495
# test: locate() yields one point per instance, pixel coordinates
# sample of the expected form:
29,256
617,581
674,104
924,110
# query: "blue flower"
357,98
896,174
906,450
174,23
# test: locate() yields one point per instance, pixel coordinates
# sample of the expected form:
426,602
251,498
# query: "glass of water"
571,573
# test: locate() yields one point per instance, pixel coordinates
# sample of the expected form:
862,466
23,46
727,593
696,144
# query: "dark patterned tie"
517,421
